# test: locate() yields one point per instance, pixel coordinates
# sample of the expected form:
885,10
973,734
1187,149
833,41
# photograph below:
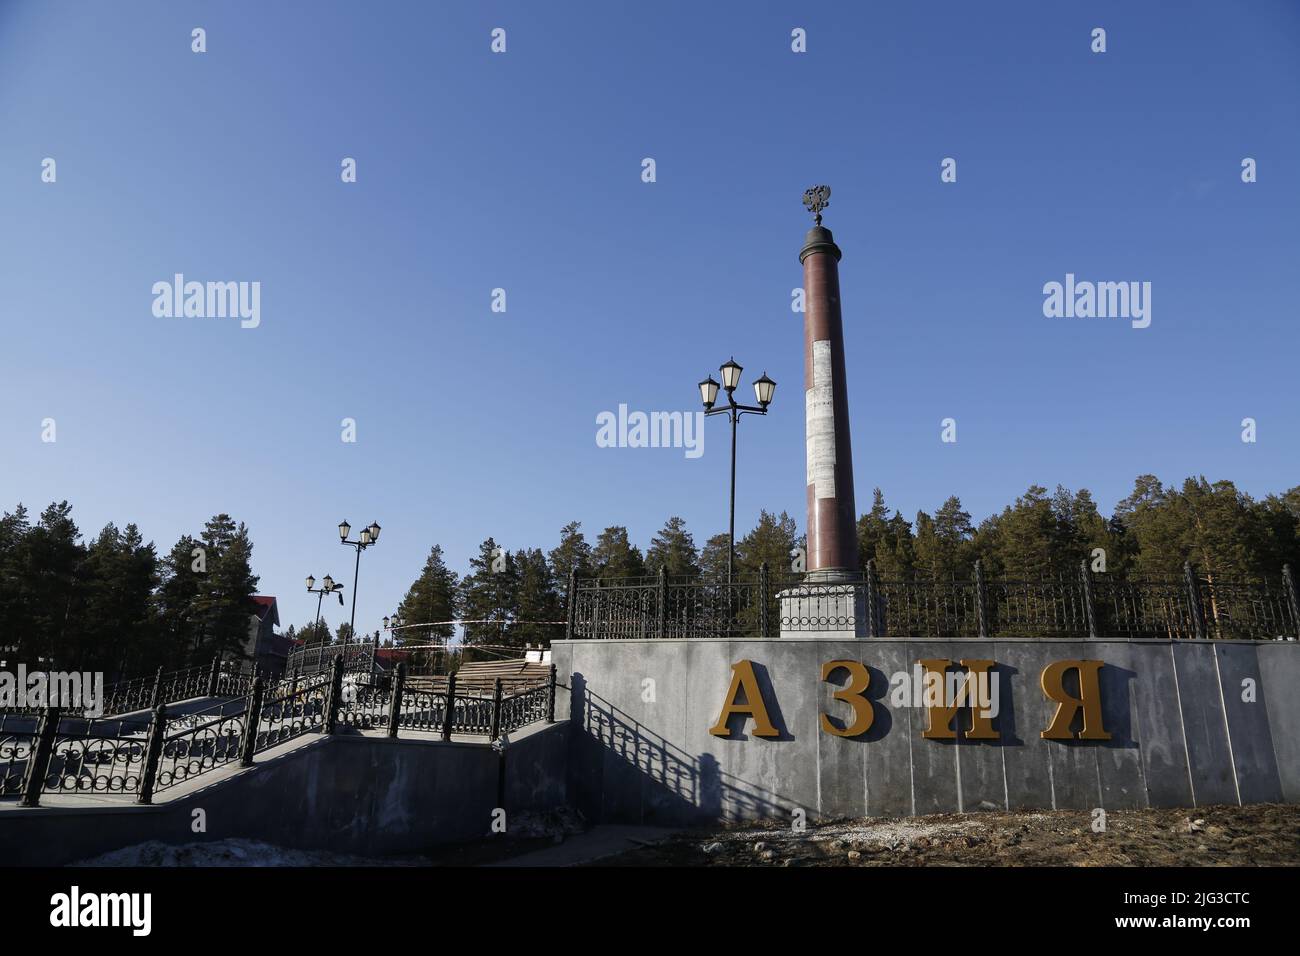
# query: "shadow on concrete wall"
626,772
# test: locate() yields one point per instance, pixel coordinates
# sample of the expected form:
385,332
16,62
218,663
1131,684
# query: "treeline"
1222,531
515,598
112,604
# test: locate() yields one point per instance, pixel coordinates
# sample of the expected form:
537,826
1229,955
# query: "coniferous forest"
113,602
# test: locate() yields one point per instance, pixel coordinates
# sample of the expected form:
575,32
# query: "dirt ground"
1260,835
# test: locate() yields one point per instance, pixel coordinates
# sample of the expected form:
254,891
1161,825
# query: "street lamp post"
328,586
367,537
763,390
391,624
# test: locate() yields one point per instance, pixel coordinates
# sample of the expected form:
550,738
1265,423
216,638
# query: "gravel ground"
1260,835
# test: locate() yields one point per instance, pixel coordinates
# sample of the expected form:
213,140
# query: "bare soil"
1259,835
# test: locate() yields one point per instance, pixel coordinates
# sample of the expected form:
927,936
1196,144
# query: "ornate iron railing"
18,733
365,703
219,679
424,710
1081,605
54,753
524,708
102,755
194,744
141,693
294,711
317,658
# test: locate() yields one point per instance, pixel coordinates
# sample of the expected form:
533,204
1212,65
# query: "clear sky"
523,171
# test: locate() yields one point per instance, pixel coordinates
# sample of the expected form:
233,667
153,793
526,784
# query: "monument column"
832,519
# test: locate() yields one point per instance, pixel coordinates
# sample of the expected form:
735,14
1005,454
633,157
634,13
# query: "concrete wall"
1181,733
365,795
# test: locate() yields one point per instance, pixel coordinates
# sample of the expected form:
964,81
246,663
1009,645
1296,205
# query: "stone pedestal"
827,607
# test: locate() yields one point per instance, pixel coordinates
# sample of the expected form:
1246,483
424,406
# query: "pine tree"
713,558
1279,515
312,633
537,600
673,548
1028,536
224,606
14,613
489,593
895,554
873,529
434,596
614,556
772,541
943,544
50,568
119,627
572,554
176,603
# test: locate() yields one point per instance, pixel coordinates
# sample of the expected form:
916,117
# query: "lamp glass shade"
731,374
329,583
365,536
374,531
385,623
709,391
764,388
311,582
344,530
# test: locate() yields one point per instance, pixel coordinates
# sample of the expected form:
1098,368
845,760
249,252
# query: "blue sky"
522,171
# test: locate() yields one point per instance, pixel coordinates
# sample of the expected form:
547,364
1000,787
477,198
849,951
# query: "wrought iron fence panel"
626,611
234,684
1235,610
916,606
924,607
314,658
706,608
138,693
1142,607
423,710
292,713
97,755
472,715
17,744
129,695
198,743
364,703
186,684
526,707
1051,607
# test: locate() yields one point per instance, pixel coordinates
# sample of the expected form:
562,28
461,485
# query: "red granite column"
832,520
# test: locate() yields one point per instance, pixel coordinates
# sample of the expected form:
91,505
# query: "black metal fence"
1082,605
318,658
57,753
218,679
